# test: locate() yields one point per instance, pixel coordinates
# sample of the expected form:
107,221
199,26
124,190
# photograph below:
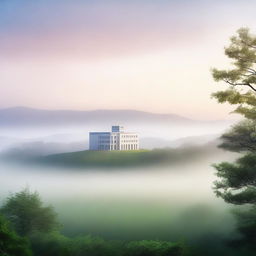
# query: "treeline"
27,227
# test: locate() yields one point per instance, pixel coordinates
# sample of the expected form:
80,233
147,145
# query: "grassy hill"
83,159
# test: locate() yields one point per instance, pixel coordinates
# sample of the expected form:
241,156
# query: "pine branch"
242,84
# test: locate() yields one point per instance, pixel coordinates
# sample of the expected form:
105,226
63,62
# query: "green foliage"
242,51
238,180
27,214
95,246
242,78
247,226
55,244
50,244
153,248
10,243
241,137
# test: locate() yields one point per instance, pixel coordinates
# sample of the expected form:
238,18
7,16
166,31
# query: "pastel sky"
150,55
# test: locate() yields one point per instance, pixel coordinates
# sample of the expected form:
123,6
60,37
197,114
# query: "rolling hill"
122,159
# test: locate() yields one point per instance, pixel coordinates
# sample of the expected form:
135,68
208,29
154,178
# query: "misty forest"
189,190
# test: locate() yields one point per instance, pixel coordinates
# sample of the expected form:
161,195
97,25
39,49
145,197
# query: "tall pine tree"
236,182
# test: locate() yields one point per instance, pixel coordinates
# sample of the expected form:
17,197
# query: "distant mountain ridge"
23,116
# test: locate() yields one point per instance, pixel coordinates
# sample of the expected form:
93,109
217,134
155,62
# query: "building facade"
117,139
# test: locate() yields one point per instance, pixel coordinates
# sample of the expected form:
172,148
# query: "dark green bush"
10,243
153,248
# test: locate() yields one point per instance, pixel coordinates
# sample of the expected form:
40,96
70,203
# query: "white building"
115,140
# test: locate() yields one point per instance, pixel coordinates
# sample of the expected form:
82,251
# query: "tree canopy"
26,212
237,182
241,137
241,79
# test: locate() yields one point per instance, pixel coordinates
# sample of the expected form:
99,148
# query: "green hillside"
83,159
